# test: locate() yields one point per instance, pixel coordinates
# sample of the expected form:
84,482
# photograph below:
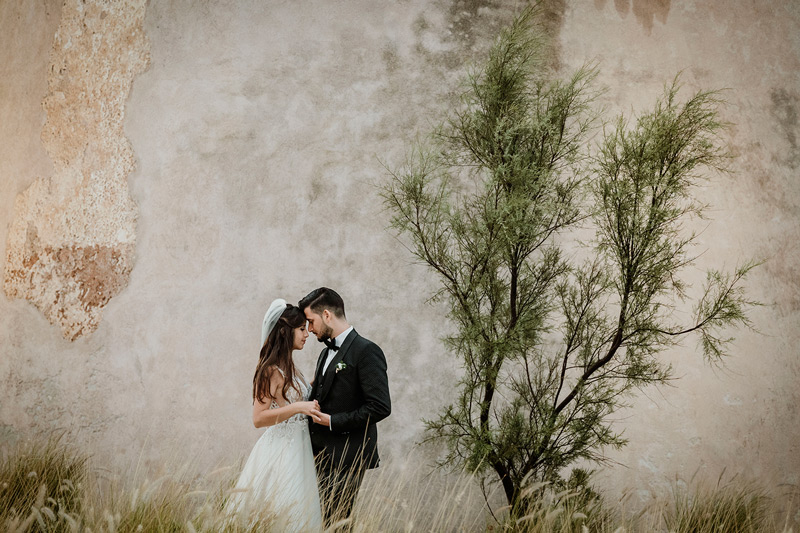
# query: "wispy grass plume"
41,487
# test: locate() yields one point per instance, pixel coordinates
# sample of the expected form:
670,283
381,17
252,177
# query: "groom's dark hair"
321,299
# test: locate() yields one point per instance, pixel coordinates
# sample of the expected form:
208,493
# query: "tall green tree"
554,337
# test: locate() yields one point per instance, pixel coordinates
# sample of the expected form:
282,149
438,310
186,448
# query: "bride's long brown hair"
277,353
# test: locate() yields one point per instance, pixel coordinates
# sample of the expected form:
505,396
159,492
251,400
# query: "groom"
352,389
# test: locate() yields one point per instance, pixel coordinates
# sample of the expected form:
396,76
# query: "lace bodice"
293,396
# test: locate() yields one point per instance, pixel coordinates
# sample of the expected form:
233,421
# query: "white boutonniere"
340,366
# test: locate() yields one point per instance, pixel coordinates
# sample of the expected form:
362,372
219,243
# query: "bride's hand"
308,408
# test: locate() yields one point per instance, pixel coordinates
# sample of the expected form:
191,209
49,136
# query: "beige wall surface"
135,282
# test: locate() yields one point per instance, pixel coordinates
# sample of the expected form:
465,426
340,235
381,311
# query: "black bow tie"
331,344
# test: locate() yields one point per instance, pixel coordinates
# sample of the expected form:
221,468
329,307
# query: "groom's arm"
374,384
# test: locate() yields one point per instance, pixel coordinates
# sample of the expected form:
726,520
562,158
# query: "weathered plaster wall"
258,132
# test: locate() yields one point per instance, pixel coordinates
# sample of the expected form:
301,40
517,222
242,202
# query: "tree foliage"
554,337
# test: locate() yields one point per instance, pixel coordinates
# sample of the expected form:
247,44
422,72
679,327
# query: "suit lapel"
320,363
318,372
330,373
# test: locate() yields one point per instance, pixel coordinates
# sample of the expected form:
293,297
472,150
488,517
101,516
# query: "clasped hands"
312,410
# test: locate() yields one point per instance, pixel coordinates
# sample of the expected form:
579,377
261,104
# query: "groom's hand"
323,420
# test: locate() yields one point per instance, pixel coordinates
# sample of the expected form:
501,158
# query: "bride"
279,475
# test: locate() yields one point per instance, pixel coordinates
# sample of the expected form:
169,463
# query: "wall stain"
461,16
552,19
645,11
480,21
783,266
784,110
450,39
390,58
470,28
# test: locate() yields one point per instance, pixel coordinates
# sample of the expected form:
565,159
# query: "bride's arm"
263,416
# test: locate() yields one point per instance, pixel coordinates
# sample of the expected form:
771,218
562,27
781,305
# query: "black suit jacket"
355,392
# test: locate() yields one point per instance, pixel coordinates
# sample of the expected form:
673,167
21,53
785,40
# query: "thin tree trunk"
511,490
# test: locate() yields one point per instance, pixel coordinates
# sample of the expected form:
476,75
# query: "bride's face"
300,336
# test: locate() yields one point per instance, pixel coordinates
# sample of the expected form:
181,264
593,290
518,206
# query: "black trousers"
338,488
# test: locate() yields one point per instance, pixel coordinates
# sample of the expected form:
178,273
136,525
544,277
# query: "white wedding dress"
279,476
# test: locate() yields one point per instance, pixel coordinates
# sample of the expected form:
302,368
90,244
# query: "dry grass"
733,507
52,487
41,487
411,499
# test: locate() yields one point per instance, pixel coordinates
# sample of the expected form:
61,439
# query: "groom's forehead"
311,314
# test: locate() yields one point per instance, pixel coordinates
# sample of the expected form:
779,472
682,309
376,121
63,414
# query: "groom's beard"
325,334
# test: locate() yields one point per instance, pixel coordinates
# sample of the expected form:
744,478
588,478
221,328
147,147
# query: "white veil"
274,312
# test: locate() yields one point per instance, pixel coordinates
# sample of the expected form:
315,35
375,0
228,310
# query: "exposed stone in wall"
71,243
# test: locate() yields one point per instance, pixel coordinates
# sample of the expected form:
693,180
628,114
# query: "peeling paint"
71,244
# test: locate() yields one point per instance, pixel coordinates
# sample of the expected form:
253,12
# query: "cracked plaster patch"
71,243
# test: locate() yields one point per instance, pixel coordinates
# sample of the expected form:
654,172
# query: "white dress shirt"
339,340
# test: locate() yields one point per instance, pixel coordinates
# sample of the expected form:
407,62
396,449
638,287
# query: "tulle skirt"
279,477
